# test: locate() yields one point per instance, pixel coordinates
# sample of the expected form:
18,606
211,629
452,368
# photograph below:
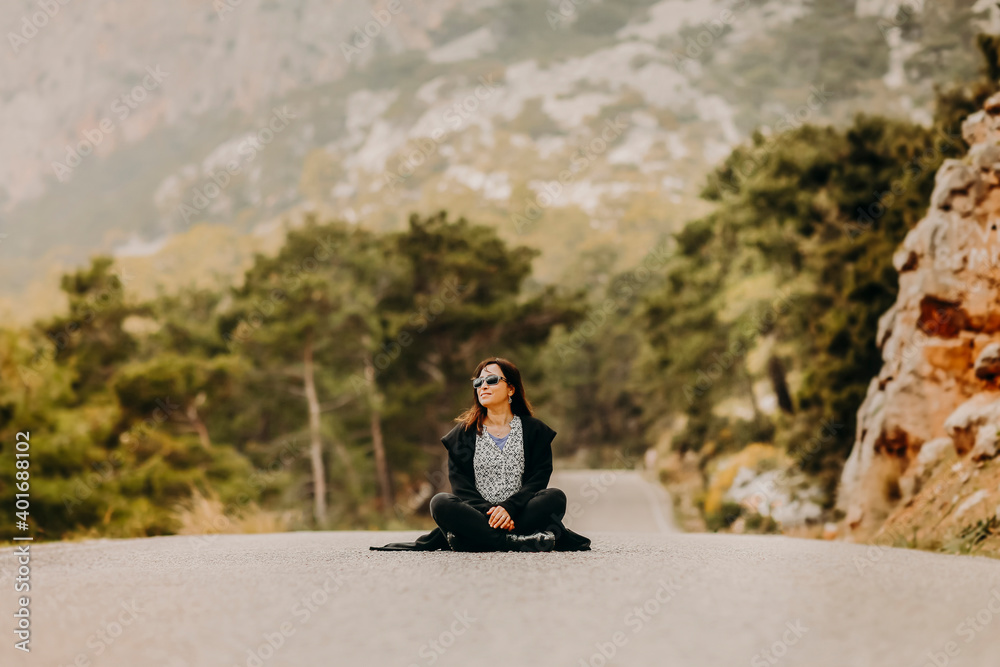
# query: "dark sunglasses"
490,380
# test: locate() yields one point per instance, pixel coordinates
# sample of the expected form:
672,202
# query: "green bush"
724,518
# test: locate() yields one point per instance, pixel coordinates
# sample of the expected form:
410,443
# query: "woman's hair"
519,403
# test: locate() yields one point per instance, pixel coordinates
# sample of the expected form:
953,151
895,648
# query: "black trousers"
543,511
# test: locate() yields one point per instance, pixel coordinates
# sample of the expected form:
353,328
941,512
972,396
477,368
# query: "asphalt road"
644,595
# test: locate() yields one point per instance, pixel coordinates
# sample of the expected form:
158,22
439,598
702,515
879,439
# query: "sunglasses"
491,380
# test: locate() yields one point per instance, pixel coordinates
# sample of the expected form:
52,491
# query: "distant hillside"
585,129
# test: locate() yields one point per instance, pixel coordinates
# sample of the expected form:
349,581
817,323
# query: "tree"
307,304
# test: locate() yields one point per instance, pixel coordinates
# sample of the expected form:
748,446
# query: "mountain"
585,129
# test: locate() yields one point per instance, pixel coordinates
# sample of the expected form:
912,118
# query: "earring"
509,400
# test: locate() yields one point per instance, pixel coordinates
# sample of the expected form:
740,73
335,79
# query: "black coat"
461,446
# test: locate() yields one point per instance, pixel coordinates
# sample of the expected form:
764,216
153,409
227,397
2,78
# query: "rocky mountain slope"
584,129
924,467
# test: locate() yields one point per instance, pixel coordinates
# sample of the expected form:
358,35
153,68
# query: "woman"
499,463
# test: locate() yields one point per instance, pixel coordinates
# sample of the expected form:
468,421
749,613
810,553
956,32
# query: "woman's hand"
499,518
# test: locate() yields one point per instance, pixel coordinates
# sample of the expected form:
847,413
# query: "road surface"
644,595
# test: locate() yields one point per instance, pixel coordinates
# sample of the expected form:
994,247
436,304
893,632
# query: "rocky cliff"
927,430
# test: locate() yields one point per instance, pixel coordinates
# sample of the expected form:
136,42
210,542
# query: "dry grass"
957,510
203,515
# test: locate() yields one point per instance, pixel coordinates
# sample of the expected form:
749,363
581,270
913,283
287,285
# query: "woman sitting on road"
499,464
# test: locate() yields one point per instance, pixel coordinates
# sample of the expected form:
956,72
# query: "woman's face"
493,397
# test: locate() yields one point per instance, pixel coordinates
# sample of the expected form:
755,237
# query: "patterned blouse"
499,471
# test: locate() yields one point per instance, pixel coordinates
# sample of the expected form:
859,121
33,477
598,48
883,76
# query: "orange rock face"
940,341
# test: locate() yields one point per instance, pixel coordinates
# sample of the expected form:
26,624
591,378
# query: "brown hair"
519,404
